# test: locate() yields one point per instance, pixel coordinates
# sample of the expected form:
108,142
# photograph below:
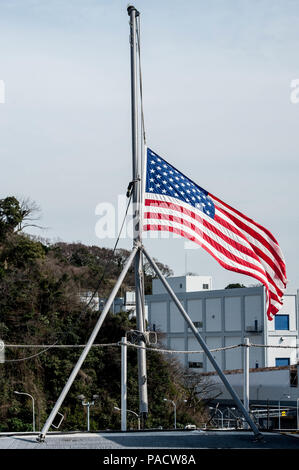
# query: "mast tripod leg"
202,343
86,350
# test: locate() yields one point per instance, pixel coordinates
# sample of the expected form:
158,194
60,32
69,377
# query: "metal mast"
137,195
136,256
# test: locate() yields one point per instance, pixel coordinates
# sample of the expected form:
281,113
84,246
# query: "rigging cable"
142,151
140,79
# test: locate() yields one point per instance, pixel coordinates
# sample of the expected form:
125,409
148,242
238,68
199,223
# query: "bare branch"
31,212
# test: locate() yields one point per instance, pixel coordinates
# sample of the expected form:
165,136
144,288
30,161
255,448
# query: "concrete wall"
254,310
194,309
224,318
232,317
183,284
196,283
89,298
158,316
282,340
272,385
283,337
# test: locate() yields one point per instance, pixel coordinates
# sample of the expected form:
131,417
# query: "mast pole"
137,195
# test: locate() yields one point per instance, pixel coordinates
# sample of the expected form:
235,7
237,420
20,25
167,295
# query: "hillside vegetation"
40,304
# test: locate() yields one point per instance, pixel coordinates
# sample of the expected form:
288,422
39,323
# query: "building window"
282,361
205,286
281,322
195,365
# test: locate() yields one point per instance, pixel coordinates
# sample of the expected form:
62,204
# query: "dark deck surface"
152,440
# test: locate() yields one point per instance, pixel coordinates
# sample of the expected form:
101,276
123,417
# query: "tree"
21,251
149,274
40,304
234,286
149,271
30,213
10,215
16,215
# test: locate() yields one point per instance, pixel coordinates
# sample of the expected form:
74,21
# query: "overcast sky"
217,78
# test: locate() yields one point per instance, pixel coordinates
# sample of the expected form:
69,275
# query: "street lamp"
33,408
88,404
174,409
297,415
133,412
286,396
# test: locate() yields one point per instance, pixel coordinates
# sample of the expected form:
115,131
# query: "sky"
216,82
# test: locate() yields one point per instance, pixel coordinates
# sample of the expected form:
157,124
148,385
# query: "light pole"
286,396
174,409
133,412
297,415
88,404
246,375
33,408
124,383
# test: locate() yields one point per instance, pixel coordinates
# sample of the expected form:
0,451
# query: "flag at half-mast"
174,203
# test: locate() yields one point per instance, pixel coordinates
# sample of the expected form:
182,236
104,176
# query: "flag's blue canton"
162,178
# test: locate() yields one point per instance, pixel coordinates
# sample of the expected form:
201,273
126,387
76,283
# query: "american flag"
174,203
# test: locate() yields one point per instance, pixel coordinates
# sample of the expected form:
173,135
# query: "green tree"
40,303
10,215
234,286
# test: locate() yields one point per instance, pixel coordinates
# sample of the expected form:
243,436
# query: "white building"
266,385
124,304
90,298
283,331
183,284
224,318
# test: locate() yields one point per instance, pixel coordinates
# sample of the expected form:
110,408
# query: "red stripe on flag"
184,234
220,248
258,251
257,236
245,217
233,243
